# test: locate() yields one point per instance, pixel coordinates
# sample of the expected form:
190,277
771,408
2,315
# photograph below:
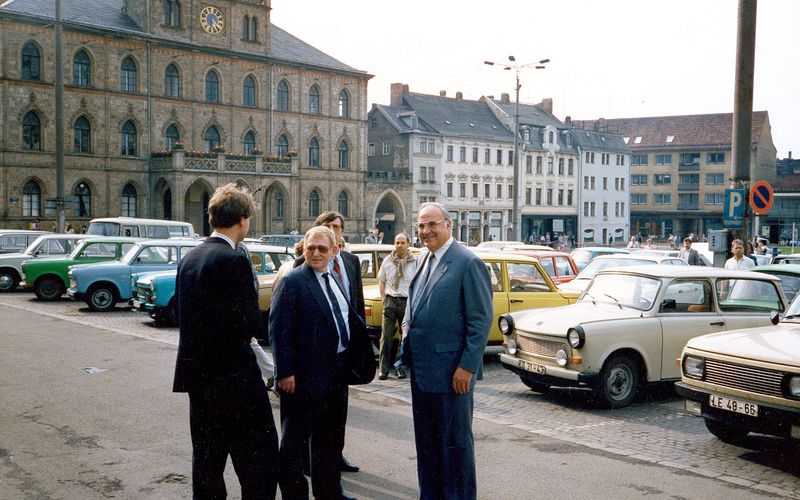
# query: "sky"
608,58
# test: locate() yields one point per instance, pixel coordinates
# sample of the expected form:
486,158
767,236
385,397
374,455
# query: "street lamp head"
489,63
539,67
544,61
511,58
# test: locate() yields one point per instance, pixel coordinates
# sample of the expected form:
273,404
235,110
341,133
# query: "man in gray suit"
447,322
689,254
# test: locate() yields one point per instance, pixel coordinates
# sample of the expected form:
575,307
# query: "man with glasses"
447,322
312,324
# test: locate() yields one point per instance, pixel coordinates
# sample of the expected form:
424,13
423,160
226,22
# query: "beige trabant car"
746,380
371,256
519,282
629,326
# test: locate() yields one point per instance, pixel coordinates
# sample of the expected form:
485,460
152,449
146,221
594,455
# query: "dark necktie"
337,269
337,313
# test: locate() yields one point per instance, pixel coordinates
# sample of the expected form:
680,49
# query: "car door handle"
717,323
516,301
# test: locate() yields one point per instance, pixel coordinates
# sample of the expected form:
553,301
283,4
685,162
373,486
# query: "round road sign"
761,197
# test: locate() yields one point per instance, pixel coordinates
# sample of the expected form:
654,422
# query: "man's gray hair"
438,205
323,230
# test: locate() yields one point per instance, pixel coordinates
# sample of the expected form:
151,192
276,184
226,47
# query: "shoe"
383,376
401,374
346,466
345,497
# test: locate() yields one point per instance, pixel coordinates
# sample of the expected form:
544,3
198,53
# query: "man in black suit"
347,268
312,323
229,408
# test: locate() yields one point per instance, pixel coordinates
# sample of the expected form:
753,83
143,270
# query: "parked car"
497,244
282,240
601,262
789,258
49,276
17,240
103,284
789,275
154,292
46,245
140,228
519,282
584,255
744,381
371,256
559,265
630,325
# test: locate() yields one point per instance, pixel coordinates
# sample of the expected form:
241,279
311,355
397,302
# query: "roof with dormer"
456,117
401,118
600,141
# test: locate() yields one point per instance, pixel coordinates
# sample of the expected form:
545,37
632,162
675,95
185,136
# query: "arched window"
82,134
313,100
283,146
278,205
127,76
246,28
32,132
81,69
172,13
344,104
128,201
249,92
211,138
83,200
254,29
212,86
313,152
249,142
128,139
172,136
31,199
283,96
313,203
172,81
31,63
344,155
344,204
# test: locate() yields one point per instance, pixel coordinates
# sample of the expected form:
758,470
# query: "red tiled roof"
706,131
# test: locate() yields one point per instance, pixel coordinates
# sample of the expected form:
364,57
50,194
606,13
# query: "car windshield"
793,313
78,249
624,290
33,246
597,265
131,254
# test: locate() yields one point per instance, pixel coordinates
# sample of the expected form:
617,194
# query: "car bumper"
25,285
553,375
772,419
74,294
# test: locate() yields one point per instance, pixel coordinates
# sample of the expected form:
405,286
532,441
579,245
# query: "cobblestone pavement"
654,429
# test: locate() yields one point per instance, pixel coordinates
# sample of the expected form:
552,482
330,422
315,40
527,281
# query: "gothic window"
278,205
344,104
249,92
128,139
212,86
254,28
211,138
127,77
313,152
313,100
172,81
81,69
283,96
172,13
83,200
128,201
172,136
344,204
31,132
249,142
313,203
283,146
82,133
344,155
31,199
31,62
246,28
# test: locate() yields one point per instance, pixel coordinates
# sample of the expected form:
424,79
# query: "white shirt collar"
439,253
215,234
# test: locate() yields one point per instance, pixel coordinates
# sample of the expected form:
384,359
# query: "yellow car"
371,256
519,282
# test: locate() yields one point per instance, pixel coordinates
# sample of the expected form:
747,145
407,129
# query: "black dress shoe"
345,497
346,466
382,376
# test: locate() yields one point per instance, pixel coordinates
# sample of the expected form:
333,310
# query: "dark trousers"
315,422
445,447
394,308
233,419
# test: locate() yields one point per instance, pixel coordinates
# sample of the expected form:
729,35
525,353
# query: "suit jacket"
303,332
450,324
353,268
692,257
218,315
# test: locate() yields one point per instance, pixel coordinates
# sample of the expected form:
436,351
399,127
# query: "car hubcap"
5,281
101,298
619,382
49,288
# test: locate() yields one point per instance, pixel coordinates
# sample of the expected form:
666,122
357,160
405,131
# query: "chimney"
397,91
602,126
790,155
459,96
547,105
568,121
490,97
442,93
504,98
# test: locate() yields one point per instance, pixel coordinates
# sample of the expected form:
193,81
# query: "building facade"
166,100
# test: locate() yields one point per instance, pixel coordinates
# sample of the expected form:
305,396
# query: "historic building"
680,166
164,100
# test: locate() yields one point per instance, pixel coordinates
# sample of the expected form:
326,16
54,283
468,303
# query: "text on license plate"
734,405
531,367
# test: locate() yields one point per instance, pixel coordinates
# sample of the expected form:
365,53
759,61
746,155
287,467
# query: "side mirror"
774,317
669,305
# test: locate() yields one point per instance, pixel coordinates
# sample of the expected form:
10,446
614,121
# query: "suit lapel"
434,278
316,291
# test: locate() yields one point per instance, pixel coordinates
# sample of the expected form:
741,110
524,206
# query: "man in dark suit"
447,322
229,408
347,268
689,254
312,323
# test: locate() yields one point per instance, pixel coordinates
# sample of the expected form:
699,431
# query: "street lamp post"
516,216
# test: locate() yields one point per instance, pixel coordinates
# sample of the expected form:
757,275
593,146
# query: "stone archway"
390,217
162,196
195,206
276,210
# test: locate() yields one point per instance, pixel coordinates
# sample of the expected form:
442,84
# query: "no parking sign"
761,197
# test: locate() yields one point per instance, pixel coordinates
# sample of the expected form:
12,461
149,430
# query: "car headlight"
506,324
511,346
793,386
576,337
561,357
694,367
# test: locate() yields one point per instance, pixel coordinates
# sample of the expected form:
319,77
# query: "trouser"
394,309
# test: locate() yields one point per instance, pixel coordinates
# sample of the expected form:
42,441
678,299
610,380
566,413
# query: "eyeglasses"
429,225
322,249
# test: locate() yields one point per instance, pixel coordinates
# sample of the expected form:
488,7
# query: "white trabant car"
746,380
630,325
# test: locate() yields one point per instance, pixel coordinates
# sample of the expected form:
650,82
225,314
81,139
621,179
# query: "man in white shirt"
394,277
738,261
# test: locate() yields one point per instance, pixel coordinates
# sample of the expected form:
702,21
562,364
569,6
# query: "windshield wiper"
791,316
594,301
614,299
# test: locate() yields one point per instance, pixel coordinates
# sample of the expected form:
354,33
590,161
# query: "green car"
49,278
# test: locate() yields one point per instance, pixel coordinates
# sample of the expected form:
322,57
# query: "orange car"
559,265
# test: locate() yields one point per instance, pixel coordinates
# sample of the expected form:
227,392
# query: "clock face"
211,19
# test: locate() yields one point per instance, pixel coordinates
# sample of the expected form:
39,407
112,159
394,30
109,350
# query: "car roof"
353,247
260,247
490,253
112,239
655,257
603,249
537,252
170,241
62,236
22,231
784,268
667,271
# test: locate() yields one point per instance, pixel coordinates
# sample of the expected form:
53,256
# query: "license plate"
733,405
137,304
531,367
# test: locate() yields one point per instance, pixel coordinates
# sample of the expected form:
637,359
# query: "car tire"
725,432
171,313
9,280
48,288
535,386
619,381
101,298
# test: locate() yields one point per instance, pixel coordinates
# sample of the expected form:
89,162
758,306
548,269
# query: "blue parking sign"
733,216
